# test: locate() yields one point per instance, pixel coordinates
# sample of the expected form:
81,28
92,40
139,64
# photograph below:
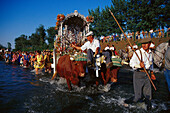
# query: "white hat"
135,46
89,33
112,48
106,48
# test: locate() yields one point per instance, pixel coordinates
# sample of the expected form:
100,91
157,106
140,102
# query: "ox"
106,74
70,70
109,73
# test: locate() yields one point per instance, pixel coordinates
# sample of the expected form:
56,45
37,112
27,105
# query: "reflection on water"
22,91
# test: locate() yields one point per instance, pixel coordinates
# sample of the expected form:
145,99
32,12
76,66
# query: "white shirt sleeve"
84,47
134,60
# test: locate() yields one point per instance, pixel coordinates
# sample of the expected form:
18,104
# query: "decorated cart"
71,29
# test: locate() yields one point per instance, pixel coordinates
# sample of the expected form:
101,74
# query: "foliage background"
132,15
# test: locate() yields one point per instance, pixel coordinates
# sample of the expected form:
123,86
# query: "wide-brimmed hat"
89,33
146,40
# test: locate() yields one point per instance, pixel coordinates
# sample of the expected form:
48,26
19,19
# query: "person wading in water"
141,83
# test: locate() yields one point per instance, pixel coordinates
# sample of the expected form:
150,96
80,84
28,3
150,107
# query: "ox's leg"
68,83
114,74
107,76
97,83
102,74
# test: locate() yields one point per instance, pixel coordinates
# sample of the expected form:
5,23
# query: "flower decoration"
87,18
56,27
57,23
90,19
60,17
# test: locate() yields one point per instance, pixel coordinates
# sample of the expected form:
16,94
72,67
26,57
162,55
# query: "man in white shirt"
92,46
141,83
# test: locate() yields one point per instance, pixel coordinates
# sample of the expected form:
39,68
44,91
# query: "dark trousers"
142,86
108,56
167,77
90,54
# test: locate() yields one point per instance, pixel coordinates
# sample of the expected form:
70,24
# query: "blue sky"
19,17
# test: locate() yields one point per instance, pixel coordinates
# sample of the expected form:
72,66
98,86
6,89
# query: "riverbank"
122,44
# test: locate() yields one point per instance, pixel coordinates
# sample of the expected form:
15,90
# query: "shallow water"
21,91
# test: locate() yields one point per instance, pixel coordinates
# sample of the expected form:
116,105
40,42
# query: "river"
21,91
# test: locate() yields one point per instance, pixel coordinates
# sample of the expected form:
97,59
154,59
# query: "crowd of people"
38,60
158,33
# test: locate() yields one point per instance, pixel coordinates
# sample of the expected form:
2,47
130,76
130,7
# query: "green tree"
96,26
21,42
51,36
9,45
132,15
40,32
118,8
37,39
104,24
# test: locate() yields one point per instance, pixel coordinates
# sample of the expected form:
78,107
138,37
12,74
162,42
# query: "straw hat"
146,40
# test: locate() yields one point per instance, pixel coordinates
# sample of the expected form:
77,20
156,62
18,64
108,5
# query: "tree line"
132,15
40,40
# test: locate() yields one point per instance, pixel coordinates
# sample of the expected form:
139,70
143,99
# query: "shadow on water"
23,91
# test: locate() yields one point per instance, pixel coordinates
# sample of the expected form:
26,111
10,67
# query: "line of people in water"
37,59
44,59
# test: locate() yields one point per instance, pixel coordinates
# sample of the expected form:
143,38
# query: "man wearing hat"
92,46
141,83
